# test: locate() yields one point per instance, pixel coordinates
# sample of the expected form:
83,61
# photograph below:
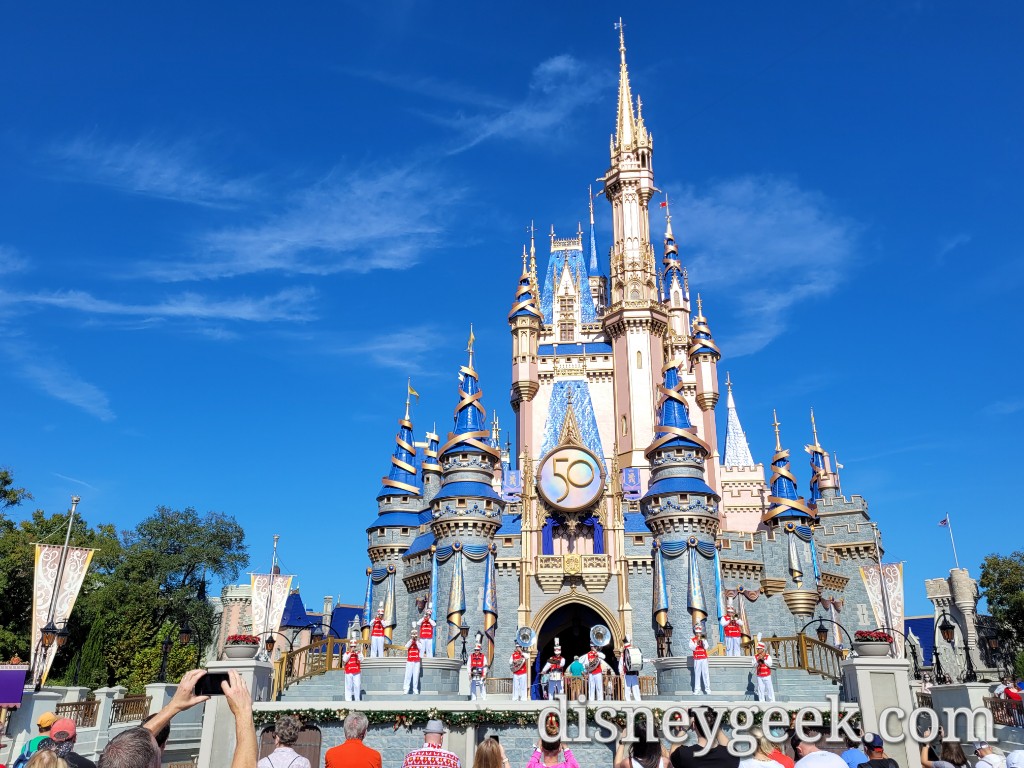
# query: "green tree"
1002,583
9,495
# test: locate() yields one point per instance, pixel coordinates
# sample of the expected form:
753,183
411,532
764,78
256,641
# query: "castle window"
624,426
639,359
638,541
380,533
748,546
405,531
507,541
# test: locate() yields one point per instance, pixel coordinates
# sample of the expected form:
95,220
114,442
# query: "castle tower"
704,357
677,296
431,468
823,482
636,321
743,486
679,507
524,321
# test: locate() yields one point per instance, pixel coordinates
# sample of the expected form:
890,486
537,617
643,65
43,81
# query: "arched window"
639,360
624,427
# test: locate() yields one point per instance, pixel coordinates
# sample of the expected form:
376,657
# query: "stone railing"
129,709
1006,712
593,570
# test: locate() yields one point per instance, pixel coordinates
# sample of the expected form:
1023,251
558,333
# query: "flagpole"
952,542
881,579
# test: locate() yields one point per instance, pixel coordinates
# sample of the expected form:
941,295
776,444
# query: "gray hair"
287,729
356,725
133,748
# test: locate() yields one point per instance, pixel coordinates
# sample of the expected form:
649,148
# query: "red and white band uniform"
377,637
763,688
477,675
733,636
425,632
520,665
352,663
699,651
412,666
553,669
595,680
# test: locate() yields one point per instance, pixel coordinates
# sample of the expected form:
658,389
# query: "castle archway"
570,619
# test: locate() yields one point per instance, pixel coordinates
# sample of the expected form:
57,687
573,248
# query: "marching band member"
412,664
352,663
763,687
426,627
699,651
733,633
553,669
377,636
477,671
630,676
592,665
520,664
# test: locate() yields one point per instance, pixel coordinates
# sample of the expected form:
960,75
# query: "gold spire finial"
524,260
469,346
776,424
622,39
700,306
626,123
814,429
408,396
552,235
728,382
591,188
686,283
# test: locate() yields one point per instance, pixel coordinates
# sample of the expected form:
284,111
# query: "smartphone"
209,684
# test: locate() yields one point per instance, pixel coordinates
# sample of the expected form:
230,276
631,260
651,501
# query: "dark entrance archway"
571,624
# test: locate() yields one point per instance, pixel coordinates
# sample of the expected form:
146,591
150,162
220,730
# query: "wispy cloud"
948,244
410,351
57,380
558,87
354,221
290,305
433,89
1003,407
11,261
151,168
74,480
769,242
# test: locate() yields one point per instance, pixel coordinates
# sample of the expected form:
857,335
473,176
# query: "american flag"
944,521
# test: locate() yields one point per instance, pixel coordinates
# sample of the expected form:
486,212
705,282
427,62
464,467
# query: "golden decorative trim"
833,581
772,586
801,602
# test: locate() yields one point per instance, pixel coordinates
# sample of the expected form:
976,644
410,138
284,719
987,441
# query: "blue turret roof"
702,342
430,462
525,304
294,612
784,503
673,269
673,415
470,433
402,480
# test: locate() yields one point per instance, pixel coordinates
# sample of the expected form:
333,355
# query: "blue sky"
229,233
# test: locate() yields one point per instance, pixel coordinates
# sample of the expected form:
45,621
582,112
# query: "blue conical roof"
525,304
470,432
674,417
702,342
294,615
430,462
402,479
784,503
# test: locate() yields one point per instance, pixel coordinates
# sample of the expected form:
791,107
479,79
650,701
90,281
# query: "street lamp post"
464,632
948,631
822,631
668,638
184,638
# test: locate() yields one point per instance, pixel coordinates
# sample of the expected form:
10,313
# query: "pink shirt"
431,757
537,760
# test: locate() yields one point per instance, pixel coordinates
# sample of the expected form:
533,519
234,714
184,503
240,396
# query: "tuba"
600,636
525,637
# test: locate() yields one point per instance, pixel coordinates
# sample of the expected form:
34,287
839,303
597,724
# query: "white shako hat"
558,646
380,608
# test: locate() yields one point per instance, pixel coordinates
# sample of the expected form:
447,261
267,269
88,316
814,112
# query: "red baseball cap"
63,730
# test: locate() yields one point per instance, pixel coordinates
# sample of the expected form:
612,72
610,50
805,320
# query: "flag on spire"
412,392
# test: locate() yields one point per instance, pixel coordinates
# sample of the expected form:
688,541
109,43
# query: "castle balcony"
554,571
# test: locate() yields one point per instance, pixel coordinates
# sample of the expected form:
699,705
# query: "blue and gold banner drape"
695,589
660,603
695,594
433,584
390,617
456,604
367,606
490,604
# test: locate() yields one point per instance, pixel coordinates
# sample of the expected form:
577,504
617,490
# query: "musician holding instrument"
519,662
554,669
631,664
733,633
425,632
699,652
412,664
377,636
477,671
763,687
595,679
352,663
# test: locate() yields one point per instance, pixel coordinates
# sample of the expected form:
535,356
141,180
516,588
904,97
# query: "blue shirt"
854,757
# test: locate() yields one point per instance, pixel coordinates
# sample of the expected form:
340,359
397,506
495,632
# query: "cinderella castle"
615,505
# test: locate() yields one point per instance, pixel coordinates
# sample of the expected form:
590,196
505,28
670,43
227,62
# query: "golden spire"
469,345
700,307
408,396
668,220
728,382
626,125
525,273
686,284
579,230
814,430
776,424
552,235
533,258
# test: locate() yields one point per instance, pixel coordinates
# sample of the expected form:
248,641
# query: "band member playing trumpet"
520,665
763,687
592,665
477,671
630,670
425,633
733,633
412,664
377,634
352,663
553,669
699,652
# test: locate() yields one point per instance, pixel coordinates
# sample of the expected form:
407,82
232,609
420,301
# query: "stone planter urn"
871,648
241,651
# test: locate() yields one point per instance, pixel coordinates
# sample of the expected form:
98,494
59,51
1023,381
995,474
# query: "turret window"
567,318
639,360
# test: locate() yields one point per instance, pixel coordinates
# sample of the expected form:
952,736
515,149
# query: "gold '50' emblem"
570,479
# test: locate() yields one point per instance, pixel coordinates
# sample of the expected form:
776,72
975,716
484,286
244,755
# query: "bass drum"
634,660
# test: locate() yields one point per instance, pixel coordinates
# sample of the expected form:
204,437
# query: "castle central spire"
625,129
